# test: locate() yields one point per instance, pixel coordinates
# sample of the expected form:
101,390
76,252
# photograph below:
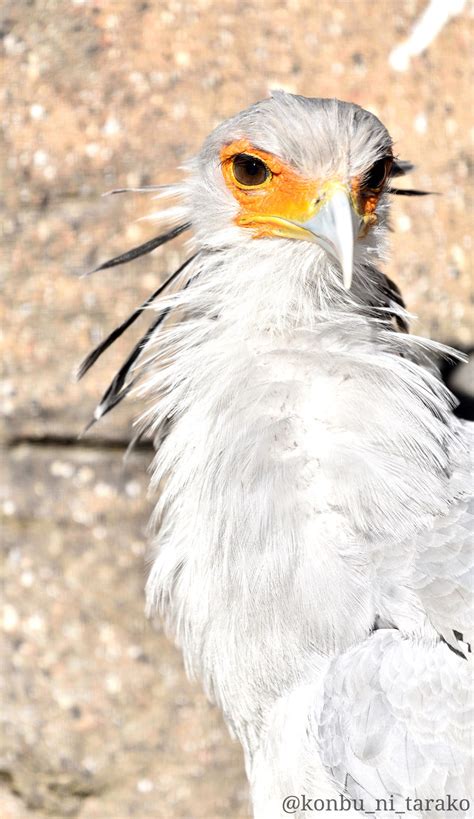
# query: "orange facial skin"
285,194
365,204
366,199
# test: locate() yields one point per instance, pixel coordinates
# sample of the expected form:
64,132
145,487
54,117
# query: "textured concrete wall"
99,720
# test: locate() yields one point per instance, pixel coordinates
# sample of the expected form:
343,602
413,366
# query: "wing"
391,717
444,560
402,708
426,579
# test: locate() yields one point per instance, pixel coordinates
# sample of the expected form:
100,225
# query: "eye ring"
376,176
249,171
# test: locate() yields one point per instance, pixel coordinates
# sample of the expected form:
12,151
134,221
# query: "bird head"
290,186
297,169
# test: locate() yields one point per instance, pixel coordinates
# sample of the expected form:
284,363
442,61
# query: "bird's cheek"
293,202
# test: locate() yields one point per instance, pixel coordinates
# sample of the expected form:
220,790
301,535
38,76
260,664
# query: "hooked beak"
335,228
334,223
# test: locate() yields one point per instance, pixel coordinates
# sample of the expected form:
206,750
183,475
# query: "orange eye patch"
280,192
366,189
264,186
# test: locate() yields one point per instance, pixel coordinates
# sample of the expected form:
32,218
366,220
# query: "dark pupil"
376,176
249,170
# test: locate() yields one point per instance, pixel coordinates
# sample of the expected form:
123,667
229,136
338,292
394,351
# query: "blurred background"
98,720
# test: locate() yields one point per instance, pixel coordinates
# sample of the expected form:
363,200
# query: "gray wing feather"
443,572
402,707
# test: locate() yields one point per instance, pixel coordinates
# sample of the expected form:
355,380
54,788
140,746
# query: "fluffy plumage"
311,553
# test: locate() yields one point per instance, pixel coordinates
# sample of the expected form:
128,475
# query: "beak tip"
347,269
335,228
347,280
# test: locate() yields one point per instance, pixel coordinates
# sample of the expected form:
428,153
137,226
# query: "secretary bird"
311,553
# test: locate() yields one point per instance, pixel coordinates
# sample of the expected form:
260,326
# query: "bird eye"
249,171
376,176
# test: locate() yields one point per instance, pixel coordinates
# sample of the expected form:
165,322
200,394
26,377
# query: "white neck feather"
279,386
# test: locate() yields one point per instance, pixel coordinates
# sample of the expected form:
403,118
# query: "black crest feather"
401,167
92,357
118,389
142,250
410,192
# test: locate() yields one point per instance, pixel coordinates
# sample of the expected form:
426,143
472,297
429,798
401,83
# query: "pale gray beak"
335,228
